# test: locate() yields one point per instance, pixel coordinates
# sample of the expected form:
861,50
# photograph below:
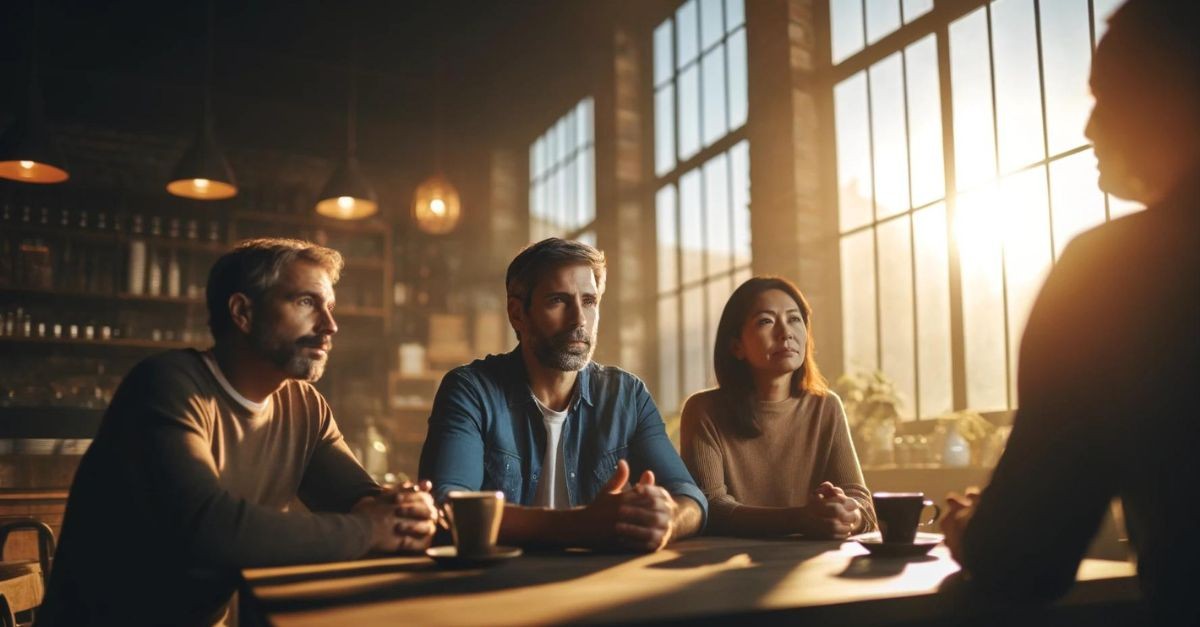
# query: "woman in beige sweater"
770,446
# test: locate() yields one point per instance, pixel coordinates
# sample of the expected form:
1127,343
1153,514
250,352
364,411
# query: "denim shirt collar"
518,380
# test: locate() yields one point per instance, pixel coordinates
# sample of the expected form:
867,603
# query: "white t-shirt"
552,487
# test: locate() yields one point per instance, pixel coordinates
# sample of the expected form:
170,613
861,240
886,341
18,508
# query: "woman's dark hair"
734,379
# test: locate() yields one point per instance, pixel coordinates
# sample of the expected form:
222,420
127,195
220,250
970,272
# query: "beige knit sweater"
804,442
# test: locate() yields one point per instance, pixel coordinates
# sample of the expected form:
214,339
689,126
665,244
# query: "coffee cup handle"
937,512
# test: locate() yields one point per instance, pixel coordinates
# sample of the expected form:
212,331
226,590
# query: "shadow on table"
424,579
870,567
752,574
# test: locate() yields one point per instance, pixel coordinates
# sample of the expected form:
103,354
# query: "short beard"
287,356
552,352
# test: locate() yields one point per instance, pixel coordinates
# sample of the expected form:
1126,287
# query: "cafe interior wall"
122,82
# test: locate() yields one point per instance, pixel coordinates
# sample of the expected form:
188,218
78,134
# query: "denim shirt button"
572,475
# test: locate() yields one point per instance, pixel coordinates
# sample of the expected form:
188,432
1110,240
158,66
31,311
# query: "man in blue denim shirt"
557,433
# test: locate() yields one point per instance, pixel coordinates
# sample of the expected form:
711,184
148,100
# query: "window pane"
971,89
717,218
890,140
588,237
691,227
1076,203
737,78
935,395
883,17
853,152
846,22
687,32
662,53
735,14
536,210
718,292
668,354
1118,207
667,228
1018,94
977,230
925,122
858,301
741,276
739,166
689,112
1066,58
916,8
583,118
1026,252
535,159
1103,9
711,27
693,346
896,310
664,129
586,195
713,65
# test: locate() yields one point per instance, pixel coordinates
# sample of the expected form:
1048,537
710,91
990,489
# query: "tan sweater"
804,442
183,486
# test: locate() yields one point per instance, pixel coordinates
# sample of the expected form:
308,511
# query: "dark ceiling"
281,68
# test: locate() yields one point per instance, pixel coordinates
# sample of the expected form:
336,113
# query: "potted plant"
872,409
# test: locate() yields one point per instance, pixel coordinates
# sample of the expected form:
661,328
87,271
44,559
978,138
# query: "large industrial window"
562,178
962,173
702,174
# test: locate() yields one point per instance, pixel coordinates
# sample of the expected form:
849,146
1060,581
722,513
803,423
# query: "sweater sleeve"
843,469
179,477
334,480
702,453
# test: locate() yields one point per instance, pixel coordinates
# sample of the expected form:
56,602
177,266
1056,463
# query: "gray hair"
253,267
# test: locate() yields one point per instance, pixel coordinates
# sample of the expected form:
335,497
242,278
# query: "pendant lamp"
28,151
348,195
203,173
436,205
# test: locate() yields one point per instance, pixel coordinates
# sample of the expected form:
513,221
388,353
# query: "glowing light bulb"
28,165
437,206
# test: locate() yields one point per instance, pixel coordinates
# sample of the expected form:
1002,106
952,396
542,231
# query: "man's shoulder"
604,379
180,366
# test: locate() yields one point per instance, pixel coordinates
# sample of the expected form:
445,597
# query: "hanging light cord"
208,66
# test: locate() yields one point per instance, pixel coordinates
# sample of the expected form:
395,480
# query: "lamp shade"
436,206
348,195
28,152
203,173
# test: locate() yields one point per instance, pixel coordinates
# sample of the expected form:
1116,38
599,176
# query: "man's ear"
516,314
241,311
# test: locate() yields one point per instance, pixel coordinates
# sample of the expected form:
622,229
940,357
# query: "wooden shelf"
59,231
362,226
17,421
425,377
359,312
86,295
118,342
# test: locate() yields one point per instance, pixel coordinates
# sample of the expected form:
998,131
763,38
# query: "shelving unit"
58,268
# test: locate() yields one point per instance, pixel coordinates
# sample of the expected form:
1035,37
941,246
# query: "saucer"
920,545
448,556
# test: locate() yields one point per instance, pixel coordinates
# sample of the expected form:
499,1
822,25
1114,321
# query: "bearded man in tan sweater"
200,453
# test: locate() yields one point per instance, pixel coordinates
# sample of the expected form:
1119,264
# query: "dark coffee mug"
899,514
474,520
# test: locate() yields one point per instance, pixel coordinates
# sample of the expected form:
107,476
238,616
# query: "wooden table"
717,580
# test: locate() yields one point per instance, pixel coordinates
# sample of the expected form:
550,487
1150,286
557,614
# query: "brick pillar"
793,221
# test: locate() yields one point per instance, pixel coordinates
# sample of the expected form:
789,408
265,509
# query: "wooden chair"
23,583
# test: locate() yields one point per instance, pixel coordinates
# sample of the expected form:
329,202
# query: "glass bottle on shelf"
136,283
173,277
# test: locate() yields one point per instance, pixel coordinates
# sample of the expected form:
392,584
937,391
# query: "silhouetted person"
1107,380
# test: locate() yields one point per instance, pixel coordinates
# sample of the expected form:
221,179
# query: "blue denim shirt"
486,433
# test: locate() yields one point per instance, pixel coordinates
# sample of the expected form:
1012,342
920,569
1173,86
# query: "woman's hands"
831,514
